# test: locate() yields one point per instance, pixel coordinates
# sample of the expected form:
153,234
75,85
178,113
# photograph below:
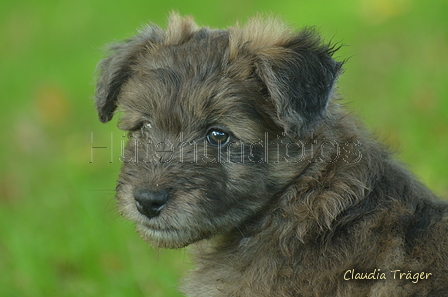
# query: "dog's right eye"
217,137
142,127
145,126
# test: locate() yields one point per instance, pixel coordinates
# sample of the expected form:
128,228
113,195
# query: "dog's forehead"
188,87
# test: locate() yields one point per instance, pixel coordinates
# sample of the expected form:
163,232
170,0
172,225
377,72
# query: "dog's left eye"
217,137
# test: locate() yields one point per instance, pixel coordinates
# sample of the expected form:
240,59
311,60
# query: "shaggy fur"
239,148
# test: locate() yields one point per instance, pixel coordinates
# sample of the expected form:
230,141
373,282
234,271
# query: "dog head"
198,105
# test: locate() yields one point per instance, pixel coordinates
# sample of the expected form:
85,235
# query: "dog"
239,147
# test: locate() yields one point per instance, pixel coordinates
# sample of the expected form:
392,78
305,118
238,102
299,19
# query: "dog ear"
300,79
116,69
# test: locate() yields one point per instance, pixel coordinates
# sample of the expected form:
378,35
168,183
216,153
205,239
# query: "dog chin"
166,238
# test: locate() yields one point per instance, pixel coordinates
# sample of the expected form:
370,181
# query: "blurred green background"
59,231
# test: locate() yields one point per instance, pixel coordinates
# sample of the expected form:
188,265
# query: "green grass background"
59,231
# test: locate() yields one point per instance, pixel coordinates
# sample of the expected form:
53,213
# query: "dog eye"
144,127
217,137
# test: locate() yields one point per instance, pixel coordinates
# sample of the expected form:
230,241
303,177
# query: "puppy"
239,148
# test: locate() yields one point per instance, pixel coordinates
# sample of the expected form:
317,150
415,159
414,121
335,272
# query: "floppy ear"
300,80
116,69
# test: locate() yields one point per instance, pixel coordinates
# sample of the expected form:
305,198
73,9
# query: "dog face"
201,106
185,174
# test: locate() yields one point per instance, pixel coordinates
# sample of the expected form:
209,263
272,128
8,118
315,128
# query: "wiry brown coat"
300,202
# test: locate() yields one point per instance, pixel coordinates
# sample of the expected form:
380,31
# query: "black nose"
150,203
